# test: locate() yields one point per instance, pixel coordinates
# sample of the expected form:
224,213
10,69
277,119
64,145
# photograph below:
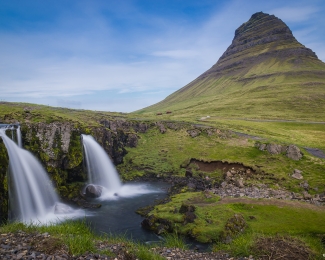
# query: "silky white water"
19,139
101,171
32,197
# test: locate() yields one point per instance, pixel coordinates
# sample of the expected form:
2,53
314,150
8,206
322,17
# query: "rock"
304,185
149,222
161,127
274,148
262,147
297,174
228,175
191,186
189,217
93,191
132,140
188,173
194,132
239,183
306,195
294,153
186,208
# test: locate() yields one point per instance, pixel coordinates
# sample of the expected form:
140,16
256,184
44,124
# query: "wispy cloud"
295,14
97,55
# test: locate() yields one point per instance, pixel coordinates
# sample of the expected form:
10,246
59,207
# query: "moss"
4,163
75,150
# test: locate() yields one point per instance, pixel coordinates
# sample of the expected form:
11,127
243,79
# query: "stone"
239,183
262,147
297,174
188,173
194,132
274,148
294,153
305,185
93,191
306,195
189,217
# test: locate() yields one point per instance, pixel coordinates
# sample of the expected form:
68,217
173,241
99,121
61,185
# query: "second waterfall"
100,169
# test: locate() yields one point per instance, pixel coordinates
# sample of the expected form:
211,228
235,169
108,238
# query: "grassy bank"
77,238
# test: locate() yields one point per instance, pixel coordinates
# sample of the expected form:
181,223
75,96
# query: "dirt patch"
281,248
219,165
50,245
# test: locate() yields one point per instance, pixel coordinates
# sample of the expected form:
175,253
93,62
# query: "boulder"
93,191
274,148
297,174
294,153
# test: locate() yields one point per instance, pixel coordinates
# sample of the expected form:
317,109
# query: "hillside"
264,73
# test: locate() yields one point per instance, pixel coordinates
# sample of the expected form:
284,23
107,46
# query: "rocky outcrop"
4,160
291,151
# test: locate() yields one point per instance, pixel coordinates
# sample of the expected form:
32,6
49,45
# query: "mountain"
264,73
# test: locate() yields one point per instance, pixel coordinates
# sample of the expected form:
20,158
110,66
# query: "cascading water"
32,196
101,170
19,139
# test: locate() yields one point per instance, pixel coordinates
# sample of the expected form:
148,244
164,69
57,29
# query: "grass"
293,219
79,239
163,154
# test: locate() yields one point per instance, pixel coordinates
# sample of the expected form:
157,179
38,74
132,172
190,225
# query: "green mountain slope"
264,73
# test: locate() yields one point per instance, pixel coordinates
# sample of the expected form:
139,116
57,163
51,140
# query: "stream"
117,214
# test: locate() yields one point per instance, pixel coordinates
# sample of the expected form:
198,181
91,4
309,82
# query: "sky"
125,55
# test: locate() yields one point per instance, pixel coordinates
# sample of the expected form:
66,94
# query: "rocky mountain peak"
261,37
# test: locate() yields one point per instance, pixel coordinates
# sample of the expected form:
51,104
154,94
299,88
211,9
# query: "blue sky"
126,55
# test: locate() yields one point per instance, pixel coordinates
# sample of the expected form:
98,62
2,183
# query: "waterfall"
32,195
101,170
19,139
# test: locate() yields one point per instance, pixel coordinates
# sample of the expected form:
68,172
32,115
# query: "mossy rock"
234,226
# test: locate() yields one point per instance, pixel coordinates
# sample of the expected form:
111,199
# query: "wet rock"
93,191
294,153
149,222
